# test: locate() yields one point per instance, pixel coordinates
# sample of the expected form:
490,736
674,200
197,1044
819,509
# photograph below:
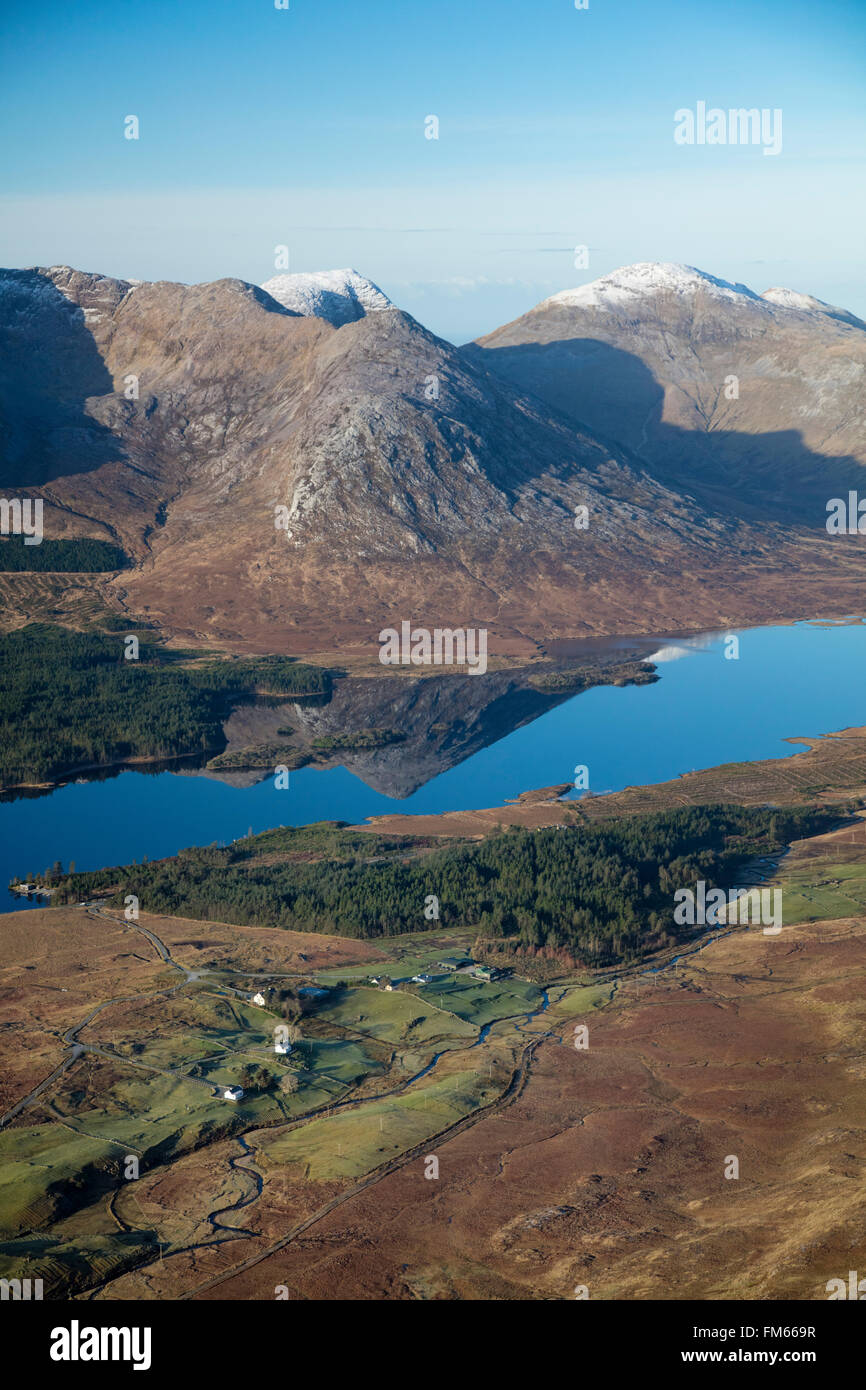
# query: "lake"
804,679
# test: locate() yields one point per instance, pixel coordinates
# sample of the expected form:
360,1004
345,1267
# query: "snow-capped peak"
340,296
621,288
792,299
808,304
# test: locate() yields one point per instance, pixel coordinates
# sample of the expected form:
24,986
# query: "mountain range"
294,466
755,402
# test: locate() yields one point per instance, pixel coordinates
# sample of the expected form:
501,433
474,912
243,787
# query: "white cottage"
233,1093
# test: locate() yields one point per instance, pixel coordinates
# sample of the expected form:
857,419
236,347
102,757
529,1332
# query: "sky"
306,128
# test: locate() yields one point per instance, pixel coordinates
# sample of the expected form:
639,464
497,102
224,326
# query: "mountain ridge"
414,479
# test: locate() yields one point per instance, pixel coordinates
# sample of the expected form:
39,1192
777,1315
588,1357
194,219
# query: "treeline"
82,554
362,739
70,699
601,893
262,675
584,678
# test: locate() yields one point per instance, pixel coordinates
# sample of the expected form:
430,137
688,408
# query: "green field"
477,1002
161,1116
398,1018
110,1106
580,999
822,890
350,1143
79,1261
330,1068
194,1024
155,1117
33,1159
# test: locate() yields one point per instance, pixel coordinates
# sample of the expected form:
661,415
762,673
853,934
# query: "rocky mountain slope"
282,481
755,402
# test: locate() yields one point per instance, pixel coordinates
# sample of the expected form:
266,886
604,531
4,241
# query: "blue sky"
305,127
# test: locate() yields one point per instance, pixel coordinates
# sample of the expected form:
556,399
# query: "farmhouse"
488,972
233,1093
258,998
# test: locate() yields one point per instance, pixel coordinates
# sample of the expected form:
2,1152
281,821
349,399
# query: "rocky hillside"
282,481
755,401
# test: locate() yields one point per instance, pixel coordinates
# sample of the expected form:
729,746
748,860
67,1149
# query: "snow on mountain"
791,299
623,287
340,296
808,304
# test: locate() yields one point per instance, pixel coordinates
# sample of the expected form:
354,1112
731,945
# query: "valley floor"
447,1140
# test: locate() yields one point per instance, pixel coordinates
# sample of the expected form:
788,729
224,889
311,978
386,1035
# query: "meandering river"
806,679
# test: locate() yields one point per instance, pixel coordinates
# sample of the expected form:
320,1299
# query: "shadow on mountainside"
51,367
771,476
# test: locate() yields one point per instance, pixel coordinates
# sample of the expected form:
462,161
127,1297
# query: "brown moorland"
606,1168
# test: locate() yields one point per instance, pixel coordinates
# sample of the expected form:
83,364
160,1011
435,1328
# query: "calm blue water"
705,710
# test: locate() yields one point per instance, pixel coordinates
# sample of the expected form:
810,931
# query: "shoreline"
68,775
362,660
544,807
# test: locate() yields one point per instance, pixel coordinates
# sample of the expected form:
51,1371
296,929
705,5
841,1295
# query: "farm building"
258,998
233,1093
488,972
454,963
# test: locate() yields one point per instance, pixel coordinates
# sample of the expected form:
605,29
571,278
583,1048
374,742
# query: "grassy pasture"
32,1160
581,999
157,1116
398,1018
822,892
478,1002
351,1142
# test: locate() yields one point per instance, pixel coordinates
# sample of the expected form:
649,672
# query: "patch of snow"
791,299
633,282
340,296
808,304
